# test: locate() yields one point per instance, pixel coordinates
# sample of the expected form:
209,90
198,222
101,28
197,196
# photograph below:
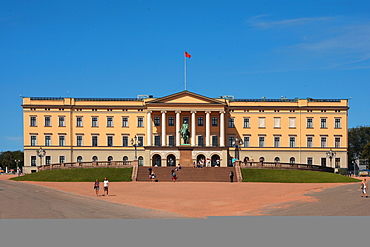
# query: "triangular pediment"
186,97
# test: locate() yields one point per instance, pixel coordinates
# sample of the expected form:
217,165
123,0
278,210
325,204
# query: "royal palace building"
220,129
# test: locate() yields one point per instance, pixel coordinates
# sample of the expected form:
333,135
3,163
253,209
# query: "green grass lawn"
79,175
293,176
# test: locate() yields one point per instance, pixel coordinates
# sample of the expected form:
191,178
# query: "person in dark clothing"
231,175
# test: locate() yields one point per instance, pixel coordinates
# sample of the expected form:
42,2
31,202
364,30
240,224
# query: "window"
33,160
79,159
171,141
323,142
200,141
337,162
261,122
62,141
246,141
200,121
309,160
337,142
79,121
277,121
140,140
94,121
47,140
309,141
323,123
94,141
140,122
261,141
309,122
231,141
109,122
109,141
323,162
171,121
292,121
214,121
47,160
337,124
292,160
214,141
110,158
125,122
277,159
246,123
62,159
62,122
292,141
277,141
157,121
47,121
185,119
124,141
79,141
157,141
95,158
33,122
231,123
33,141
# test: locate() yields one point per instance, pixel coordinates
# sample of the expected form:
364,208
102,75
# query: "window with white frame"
214,121
337,123
157,140
79,140
323,123
292,141
292,122
261,141
276,141
140,122
157,121
231,123
140,140
33,140
310,122
62,159
94,141
47,121
200,121
110,141
171,140
261,122
309,161
337,142
94,121
78,121
171,121
47,140
246,141
337,162
62,141
246,123
33,121
277,122
323,141
214,141
200,141
309,141
109,121
125,141
33,161
231,141
124,121
48,160
62,121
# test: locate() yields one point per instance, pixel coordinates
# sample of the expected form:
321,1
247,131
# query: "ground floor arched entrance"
171,160
215,160
156,160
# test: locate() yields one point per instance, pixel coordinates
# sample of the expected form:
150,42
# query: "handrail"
279,165
90,164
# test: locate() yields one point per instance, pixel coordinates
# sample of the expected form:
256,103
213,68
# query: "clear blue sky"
249,49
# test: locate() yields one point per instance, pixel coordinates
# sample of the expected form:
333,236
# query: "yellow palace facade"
221,129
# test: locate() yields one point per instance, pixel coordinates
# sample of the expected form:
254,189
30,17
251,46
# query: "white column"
208,128
178,128
149,128
193,126
163,128
222,128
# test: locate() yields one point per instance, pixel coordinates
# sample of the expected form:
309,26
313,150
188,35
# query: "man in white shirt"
106,184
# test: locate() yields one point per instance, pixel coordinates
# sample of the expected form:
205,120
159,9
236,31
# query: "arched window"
125,159
79,159
110,158
277,159
95,158
262,159
156,160
292,160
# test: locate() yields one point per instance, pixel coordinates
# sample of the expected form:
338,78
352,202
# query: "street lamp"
355,156
135,142
330,155
41,153
17,162
236,144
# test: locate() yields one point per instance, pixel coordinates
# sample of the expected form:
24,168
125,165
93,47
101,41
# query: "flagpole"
184,71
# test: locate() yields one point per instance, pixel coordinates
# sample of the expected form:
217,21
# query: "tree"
358,140
8,159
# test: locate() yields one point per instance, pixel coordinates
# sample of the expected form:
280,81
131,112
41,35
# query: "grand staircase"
188,174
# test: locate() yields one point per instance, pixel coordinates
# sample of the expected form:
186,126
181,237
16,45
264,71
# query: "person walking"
364,187
174,177
96,187
231,175
106,185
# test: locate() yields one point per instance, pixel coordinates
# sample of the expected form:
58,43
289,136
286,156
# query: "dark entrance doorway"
156,160
171,160
215,160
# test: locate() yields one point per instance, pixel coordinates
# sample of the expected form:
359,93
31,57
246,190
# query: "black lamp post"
331,155
41,153
135,142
